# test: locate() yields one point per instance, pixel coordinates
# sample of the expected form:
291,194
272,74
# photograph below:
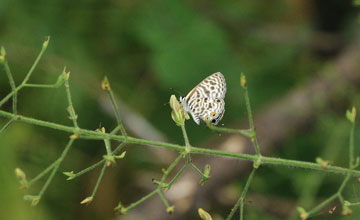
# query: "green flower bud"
204,215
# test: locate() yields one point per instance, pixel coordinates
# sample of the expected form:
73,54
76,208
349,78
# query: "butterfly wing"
213,86
207,99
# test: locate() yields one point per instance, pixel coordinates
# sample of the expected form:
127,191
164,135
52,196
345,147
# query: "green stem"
240,201
45,86
71,107
43,173
178,174
12,85
171,167
99,180
56,167
102,136
117,114
354,204
163,199
108,147
197,169
117,149
27,77
251,121
323,204
143,199
3,129
246,132
187,143
351,146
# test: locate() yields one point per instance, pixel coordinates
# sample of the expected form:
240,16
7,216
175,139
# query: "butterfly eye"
213,114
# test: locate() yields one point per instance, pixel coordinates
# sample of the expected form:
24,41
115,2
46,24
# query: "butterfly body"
206,100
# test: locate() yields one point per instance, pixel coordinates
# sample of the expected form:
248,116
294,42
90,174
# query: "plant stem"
323,204
116,111
27,77
12,85
178,174
99,180
45,86
56,167
351,146
3,129
251,121
14,91
71,107
197,169
246,132
148,196
162,198
117,149
187,143
102,136
43,173
240,201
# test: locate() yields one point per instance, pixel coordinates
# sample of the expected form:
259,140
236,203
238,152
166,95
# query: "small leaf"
110,160
170,210
120,209
206,175
323,163
105,85
22,178
2,55
70,175
33,199
121,156
303,214
347,203
2,52
60,80
87,200
350,115
204,215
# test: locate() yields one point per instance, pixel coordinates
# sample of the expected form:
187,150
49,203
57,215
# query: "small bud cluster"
178,113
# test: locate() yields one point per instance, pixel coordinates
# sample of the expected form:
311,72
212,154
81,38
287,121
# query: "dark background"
301,59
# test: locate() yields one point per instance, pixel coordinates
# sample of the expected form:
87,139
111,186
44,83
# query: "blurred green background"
147,47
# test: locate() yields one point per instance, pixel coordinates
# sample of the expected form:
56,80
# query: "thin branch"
75,175
98,180
102,136
240,201
56,167
5,127
12,85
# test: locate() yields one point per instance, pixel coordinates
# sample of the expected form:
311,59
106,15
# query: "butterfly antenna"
179,93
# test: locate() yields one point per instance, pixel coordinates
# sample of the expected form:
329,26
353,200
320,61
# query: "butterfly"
206,100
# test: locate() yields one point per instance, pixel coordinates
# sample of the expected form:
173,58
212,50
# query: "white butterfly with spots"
206,100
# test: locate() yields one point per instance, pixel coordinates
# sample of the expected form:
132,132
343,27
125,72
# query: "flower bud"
87,200
105,85
46,42
204,215
178,114
243,82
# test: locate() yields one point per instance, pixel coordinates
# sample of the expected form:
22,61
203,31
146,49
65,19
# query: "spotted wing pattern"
206,100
